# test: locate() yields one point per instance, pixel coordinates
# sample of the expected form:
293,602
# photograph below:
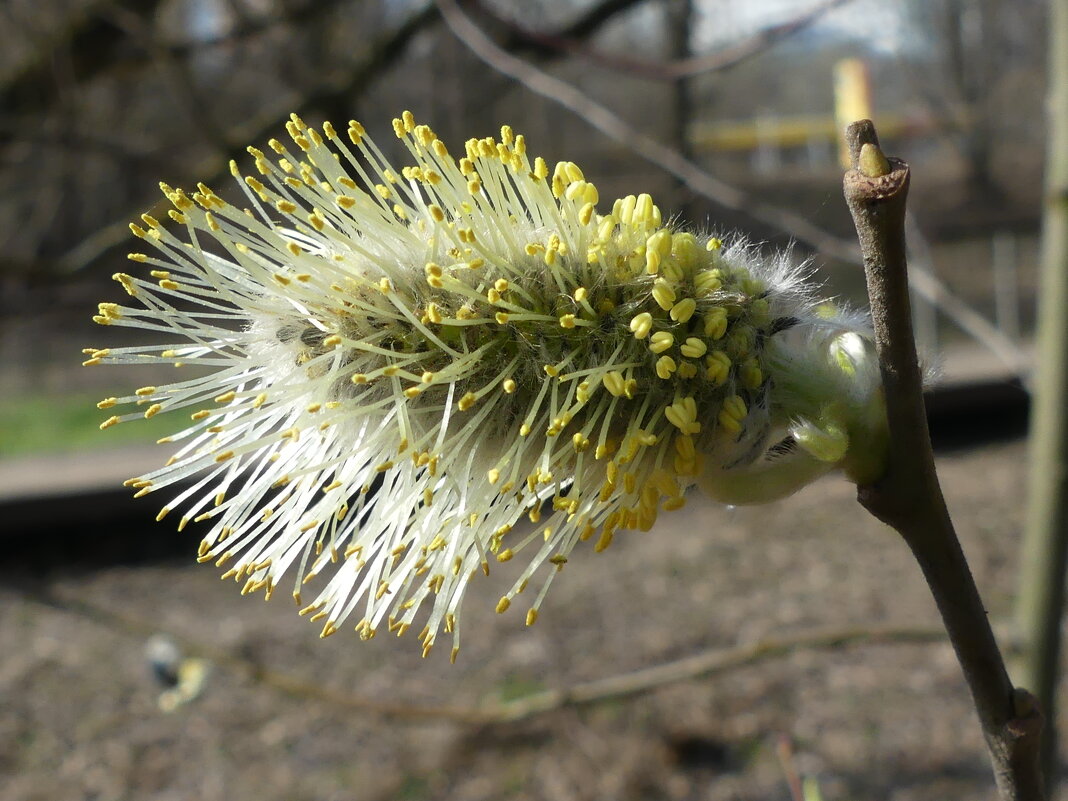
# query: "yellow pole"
852,100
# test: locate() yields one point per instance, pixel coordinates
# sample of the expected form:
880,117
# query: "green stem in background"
908,496
1042,573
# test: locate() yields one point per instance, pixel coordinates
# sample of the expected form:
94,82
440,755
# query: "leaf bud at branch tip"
872,163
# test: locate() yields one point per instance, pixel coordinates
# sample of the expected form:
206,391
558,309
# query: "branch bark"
908,497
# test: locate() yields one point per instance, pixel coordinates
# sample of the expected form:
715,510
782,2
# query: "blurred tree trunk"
1042,590
680,21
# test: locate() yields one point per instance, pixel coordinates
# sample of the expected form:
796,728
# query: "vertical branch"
908,496
679,17
1042,591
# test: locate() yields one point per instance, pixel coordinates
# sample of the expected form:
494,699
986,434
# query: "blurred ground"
80,716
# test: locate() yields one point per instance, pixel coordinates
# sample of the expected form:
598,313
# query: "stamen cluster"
391,369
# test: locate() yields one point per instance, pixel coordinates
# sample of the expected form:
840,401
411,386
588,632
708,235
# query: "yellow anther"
665,366
694,348
663,294
718,366
660,243
111,421
153,410
503,604
580,442
708,281
682,311
740,341
714,244
715,320
645,211
732,414
467,401
567,321
683,415
751,374
127,282
661,341
614,382
641,325
501,318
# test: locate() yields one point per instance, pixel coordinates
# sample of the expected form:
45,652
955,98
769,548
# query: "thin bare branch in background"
175,72
635,683
674,70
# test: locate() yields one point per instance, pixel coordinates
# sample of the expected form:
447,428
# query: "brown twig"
908,496
708,663
698,180
625,685
678,69
784,750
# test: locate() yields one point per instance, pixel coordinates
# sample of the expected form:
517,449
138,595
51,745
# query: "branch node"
858,134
